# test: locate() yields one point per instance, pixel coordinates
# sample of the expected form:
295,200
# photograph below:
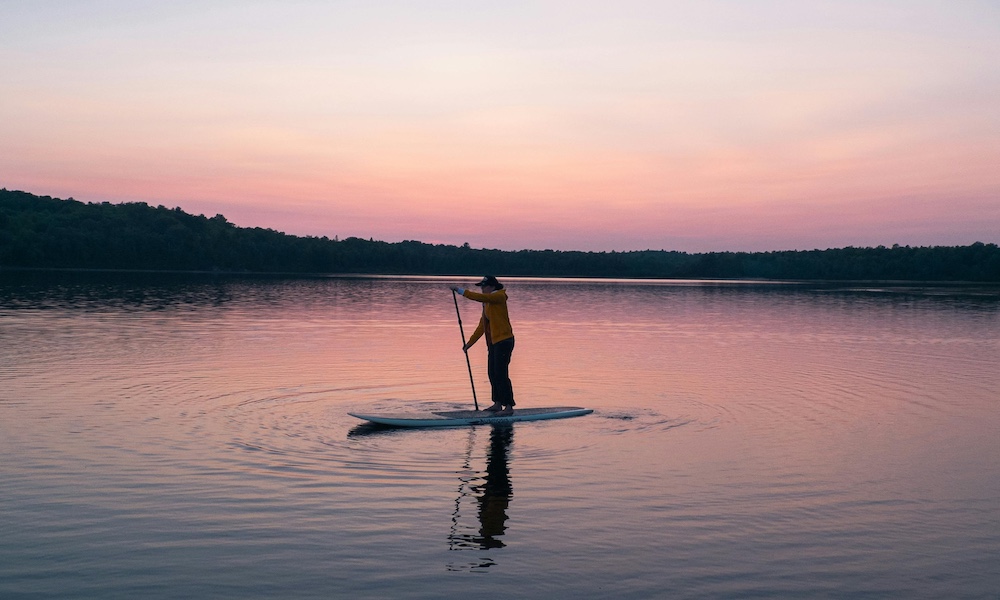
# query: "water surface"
180,436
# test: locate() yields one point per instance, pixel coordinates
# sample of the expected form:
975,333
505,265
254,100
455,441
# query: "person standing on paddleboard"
495,325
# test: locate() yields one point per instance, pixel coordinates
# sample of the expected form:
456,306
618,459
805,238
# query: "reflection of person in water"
493,495
497,490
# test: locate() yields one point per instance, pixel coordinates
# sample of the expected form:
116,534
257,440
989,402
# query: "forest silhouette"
41,232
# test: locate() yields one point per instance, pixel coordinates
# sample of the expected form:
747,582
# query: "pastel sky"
703,125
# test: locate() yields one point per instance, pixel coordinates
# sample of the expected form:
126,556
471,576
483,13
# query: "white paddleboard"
456,418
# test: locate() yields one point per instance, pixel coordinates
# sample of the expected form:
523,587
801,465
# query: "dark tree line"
45,232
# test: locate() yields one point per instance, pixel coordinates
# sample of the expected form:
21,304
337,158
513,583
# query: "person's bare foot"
494,408
505,411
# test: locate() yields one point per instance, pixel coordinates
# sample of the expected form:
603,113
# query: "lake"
182,436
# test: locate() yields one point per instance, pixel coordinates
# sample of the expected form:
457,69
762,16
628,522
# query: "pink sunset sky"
695,126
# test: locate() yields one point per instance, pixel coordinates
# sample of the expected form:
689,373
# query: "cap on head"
490,281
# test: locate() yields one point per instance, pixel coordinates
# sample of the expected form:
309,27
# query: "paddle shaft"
461,330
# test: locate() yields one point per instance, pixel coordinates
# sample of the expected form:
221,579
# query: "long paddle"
464,349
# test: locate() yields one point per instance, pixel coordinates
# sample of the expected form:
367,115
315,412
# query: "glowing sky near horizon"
697,126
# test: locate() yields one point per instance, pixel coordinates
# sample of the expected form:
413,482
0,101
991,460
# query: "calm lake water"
186,437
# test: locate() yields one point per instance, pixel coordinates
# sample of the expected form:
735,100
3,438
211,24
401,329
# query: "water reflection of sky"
746,438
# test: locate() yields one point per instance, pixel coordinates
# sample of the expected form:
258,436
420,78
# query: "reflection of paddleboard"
455,418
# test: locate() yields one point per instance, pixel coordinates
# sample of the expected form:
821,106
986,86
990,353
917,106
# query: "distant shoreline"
40,232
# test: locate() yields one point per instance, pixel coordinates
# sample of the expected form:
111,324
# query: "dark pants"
498,367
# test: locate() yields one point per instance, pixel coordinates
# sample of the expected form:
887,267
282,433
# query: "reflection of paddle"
464,349
464,479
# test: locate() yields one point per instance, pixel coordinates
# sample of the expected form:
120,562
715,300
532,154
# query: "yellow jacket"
494,313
